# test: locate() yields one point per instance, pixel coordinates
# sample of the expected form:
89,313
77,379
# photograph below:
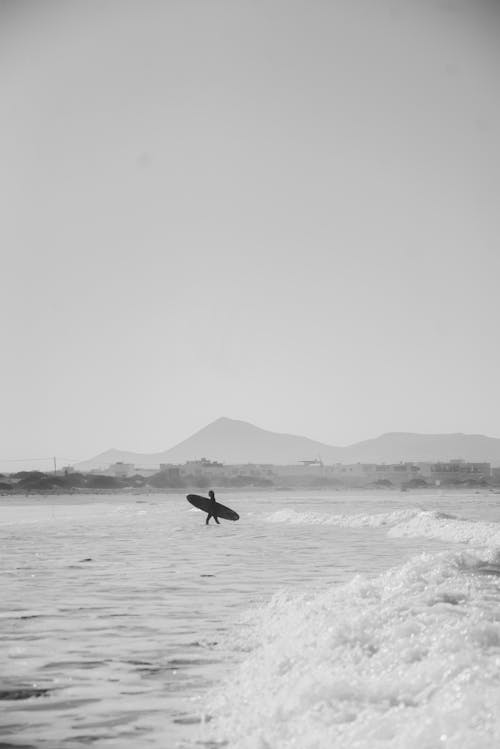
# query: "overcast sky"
279,211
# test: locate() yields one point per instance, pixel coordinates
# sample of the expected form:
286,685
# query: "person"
212,513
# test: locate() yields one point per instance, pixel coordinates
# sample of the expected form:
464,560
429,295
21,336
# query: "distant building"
315,473
495,475
372,473
250,469
458,471
202,467
303,468
145,472
121,470
172,471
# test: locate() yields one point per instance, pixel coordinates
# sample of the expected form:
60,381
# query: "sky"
280,211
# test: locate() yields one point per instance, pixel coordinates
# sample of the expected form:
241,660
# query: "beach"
317,620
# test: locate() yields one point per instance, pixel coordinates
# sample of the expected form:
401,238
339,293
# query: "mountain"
394,447
232,441
107,458
225,440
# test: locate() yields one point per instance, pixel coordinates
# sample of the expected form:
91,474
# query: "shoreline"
150,491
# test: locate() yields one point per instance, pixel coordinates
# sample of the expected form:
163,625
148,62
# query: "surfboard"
203,503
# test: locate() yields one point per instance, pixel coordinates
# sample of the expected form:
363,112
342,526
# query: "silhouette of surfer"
212,513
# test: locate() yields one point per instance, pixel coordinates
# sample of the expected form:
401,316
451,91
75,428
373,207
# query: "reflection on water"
116,615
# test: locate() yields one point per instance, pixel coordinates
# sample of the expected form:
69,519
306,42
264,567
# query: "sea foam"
449,528
407,660
358,520
411,522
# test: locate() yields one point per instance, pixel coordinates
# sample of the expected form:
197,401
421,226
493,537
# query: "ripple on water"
23,693
114,603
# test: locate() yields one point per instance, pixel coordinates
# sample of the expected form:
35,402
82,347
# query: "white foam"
408,660
448,528
359,520
411,522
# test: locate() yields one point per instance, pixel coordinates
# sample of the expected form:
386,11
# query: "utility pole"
55,465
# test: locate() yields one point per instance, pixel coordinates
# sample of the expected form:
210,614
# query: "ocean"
321,619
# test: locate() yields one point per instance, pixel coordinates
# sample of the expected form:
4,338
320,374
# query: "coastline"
223,490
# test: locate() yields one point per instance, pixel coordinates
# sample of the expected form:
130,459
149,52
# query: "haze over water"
315,619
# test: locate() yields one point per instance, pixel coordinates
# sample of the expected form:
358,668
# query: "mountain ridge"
235,441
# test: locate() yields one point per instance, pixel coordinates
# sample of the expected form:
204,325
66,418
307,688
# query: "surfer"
211,512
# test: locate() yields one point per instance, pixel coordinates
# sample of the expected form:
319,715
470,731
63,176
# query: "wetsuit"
212,514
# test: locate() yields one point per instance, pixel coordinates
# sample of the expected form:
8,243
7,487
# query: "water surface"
121,616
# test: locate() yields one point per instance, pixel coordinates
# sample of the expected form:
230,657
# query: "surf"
406,660
412,522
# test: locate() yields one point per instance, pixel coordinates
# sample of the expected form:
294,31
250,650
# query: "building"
172,471
363,474
121,470
145,472
458,472
202,467
302,468
495,475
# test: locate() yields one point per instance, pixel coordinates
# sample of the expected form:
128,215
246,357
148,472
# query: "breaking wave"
411,522
448,528
359,520
406,660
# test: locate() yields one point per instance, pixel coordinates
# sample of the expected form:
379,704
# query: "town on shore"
204,474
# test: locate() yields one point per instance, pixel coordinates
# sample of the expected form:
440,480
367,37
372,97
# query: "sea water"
327,619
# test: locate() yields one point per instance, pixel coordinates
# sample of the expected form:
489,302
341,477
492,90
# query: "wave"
411,522
359,520
406,660
448,528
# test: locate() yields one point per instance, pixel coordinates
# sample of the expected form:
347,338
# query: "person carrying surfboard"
213,508
211,512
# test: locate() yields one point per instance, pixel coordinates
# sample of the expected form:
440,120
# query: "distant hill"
225,440
394,447
232,441
105,459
